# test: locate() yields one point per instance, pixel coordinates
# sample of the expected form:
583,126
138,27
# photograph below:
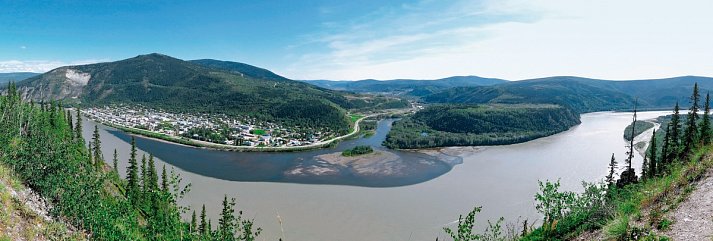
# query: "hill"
17,76
160,81
471,125
239,68
405,86
580,94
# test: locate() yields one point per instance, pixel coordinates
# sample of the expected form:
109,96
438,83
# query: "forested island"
639,127
472,125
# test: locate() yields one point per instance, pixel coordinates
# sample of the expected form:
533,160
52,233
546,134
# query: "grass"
259,132
355,117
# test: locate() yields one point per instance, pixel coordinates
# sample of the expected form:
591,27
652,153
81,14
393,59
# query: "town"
214,128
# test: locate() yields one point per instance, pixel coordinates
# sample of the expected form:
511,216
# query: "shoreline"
224,147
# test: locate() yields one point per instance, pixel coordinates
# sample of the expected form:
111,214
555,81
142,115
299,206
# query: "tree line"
44,146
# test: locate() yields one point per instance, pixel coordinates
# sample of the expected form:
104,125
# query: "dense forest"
43,146
470,125
174,85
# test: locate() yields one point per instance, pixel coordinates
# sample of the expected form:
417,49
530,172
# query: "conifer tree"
666,148
629,175
691,132
69,121
204,225
675,138
653,162
164,180
78,127
144,177
152,175
612,171
227,221
91,155
115,162
98,156
705,132
132,176
193,226
645,167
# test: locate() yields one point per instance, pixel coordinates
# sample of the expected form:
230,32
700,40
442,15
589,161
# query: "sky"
373,39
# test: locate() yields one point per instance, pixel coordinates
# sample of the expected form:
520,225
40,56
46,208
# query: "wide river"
426,195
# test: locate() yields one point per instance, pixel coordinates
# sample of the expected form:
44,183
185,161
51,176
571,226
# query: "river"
428,194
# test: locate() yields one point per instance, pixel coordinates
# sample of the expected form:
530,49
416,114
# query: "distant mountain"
161,81
17,76
580,94
405,86
239,68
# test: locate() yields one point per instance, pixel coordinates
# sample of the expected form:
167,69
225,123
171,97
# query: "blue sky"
514,39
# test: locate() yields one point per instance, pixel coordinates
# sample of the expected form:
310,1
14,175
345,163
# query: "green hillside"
471,125
172,84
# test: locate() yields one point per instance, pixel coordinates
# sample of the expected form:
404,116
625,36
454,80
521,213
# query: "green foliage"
45,151
469,125
358,150
641,126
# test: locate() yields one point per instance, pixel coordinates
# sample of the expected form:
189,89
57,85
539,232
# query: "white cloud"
37,66
23,47
518,39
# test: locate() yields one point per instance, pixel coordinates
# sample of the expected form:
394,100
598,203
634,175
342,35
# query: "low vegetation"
639,128
472,125
358,150
632,207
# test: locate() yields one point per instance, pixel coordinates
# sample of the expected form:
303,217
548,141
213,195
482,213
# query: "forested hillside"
470,125
580,94
405,86
48,153
164,82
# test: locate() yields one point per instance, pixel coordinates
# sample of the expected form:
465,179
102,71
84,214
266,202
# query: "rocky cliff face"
62,83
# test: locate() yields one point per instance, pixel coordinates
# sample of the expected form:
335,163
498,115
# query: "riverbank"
224,147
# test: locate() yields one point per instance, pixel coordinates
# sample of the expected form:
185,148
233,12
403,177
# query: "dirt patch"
693,219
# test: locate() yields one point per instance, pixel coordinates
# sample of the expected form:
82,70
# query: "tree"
78,128
612,171
665,149
152,175
629,175
465,227
193,226
691,132
164,180
227,221
204,225
675,138
705,132
653,163
115,162
98,156
645,167
132,175
144,178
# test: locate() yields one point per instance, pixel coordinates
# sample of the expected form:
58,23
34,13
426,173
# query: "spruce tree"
144,177
98,156
204,225
705,132
194,224
629,175
164,180
227,221
152,175
653,163
645,167
612,171
70,123
78,127
115,162
675,138
666,148
691,132
132,175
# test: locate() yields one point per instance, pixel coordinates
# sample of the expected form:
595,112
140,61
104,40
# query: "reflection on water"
501,179
280,167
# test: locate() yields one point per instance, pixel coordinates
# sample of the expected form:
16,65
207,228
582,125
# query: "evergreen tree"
675,138
203,229
115,162
227,221
705,132
194,224
78,128
98,156
645,167
612,171
69,121
653,163
152,175
164,180
629,175
132,175
691,132
665,149
144,177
